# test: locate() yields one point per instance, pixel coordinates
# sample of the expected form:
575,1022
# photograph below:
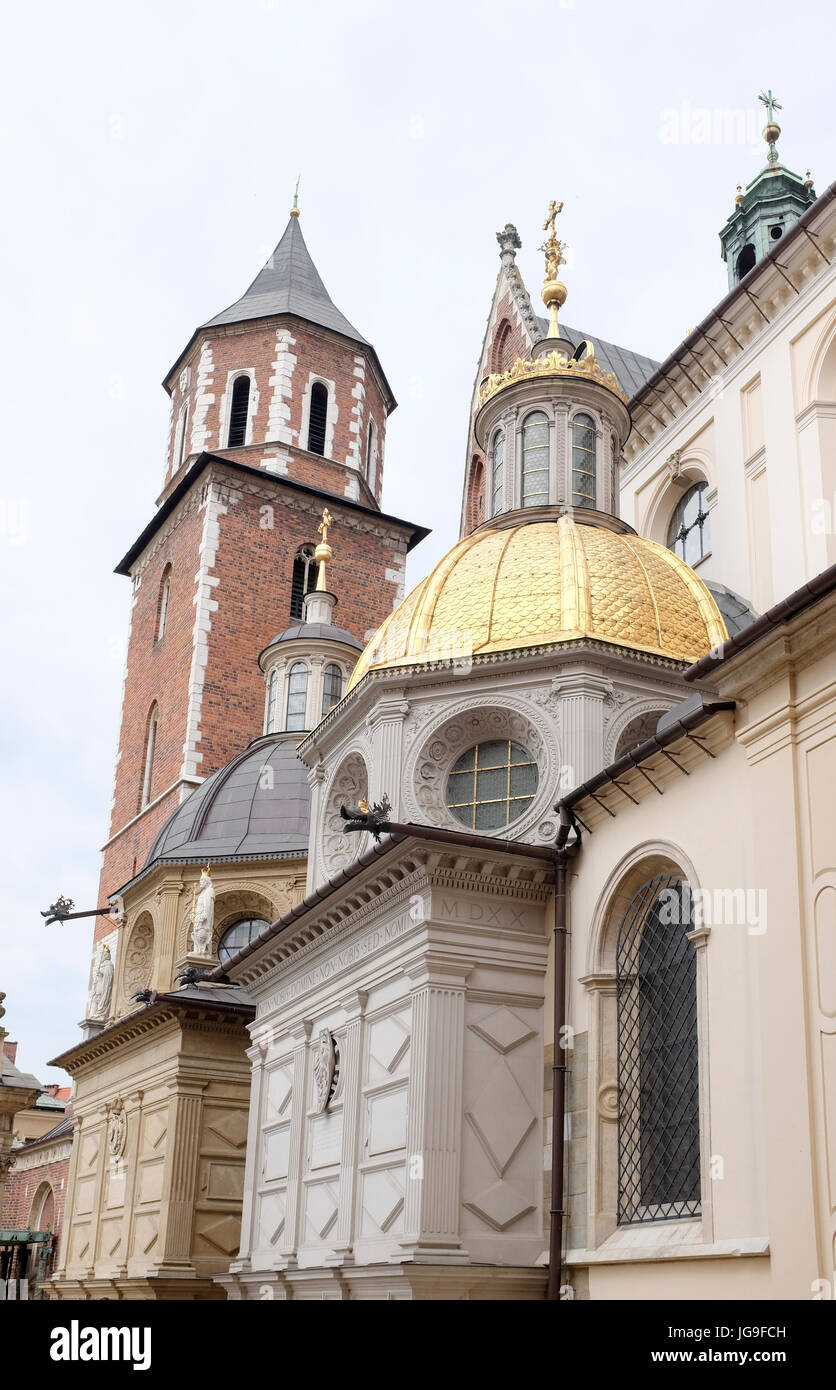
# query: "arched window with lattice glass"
497,471
583,461
535,459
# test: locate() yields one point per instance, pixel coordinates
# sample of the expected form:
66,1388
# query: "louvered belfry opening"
238,412
318,418
302,580
658,1077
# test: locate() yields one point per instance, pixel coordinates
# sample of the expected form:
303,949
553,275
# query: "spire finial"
294,211
554,293
771,130
322,554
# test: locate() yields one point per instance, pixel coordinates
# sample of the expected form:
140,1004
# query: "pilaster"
165,944
351,1051
300,1035
185,1111
432,1204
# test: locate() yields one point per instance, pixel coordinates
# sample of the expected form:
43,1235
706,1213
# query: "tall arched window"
583,461
182,434
535,460
148,769
272,695
302,580
746,260
497,461
689,533
332,688
297,696
238,412
318,418
658,1077
162,602
371,456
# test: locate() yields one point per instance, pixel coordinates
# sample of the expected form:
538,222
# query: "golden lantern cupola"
553,425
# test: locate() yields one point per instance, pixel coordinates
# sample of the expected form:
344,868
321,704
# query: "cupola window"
272,696
689,534
318,418
492,784
297,696
583,461
745,260
332,688
497,461
303,579
535,460
237,936
238,412
658,1074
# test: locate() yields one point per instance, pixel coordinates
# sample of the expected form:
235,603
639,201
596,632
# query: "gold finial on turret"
554,292
322,554
294,211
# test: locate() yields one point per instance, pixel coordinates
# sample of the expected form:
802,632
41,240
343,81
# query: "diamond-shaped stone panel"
321,1209
271,1220
279,1089
501,1205
503,1029
382,1199
389,1041
501,1117
229,1126
222,1232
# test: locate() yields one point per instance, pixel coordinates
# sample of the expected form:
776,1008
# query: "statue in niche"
203,914
102,989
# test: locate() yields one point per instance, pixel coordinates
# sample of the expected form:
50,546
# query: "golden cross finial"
322,528
552,248
322,554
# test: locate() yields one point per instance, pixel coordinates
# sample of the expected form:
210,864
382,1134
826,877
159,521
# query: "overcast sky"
149,156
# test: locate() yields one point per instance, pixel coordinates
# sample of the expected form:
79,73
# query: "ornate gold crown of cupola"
552,364
558,361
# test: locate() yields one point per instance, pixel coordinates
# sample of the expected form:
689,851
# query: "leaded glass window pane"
583,461
492,784
297,696
689,533
332,688
535,461
497,469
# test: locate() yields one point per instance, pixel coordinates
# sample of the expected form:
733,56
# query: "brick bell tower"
278,407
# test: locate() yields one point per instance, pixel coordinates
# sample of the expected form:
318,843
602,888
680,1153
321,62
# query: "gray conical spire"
289,283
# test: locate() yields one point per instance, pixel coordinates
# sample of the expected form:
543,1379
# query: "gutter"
775,616
742,285
563,852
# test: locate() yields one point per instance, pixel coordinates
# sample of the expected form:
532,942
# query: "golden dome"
543,582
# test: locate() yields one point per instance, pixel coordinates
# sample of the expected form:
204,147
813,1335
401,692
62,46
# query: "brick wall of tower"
22,1185
229,547
281,355
506,342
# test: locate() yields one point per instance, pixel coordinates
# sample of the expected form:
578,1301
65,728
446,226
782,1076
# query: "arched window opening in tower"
303,579
272,696
238,412
371,456
658,1069
237,936
583,461
492,784
745,260
182,434
497,458
535,460
162,603
332,688
689,533
148,769
297,696
318,418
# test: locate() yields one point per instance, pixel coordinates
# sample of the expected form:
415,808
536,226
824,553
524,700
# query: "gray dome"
233,813
324,632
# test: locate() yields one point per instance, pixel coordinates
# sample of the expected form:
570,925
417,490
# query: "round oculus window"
492,784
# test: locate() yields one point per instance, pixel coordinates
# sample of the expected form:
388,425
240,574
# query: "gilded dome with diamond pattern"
542,582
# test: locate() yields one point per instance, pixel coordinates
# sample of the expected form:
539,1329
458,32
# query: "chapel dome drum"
538,583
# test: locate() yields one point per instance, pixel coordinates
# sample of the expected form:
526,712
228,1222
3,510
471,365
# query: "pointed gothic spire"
289,283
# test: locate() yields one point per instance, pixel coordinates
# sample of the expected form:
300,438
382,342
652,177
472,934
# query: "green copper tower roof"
767,208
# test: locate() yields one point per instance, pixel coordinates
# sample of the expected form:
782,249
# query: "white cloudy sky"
149,151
